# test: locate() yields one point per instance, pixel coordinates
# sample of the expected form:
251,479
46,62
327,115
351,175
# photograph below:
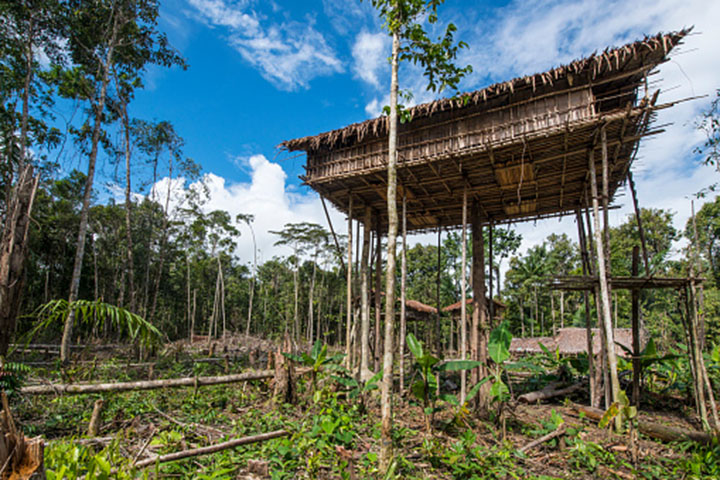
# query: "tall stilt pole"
403,280
365,373
378,298
348,322
463,302
480,331
638,219
438,327
603,280
635,315
586,297
491,304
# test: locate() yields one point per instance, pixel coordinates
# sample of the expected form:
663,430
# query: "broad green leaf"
418,389
427,361
414,345
609,414
499,390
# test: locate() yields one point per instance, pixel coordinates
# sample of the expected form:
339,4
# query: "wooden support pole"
696,353
403,283
378,298
463,302
480,330
609,341
635,314
438,318
638,218
349,278
698,273
491,304
365,373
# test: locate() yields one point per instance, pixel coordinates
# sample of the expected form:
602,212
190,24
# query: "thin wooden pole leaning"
586,297
463,302
641,230
332,230
609,343
403,281
348,322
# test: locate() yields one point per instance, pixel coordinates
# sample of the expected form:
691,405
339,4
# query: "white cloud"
370,53
267,197
287,54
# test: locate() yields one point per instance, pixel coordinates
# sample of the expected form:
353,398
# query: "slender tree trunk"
296,294
365,372
128,204
311,306
252,281
29,74
586,270
386,451
403,285
562,308
104,70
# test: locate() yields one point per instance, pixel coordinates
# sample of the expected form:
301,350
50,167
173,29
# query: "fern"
12,376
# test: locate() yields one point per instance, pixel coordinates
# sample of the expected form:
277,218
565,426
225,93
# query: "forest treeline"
69,71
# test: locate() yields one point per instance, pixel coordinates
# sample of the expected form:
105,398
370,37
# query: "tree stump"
22,457
284,374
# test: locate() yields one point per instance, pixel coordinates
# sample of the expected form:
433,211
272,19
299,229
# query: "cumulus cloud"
370,53
266,196
287,54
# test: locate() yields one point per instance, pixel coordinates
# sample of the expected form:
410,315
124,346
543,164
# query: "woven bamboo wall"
483,129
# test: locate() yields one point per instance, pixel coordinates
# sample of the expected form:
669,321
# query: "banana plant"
425,389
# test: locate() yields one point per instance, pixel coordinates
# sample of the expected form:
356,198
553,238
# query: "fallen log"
211,448
555,433
550,391
654,430
145,384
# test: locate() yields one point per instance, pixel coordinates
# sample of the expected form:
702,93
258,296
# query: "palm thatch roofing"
519,147
498,305
572,341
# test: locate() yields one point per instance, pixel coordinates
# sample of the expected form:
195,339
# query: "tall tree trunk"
386,452
104,70
13,252
128,207
252,281
29,74
163,240
311,306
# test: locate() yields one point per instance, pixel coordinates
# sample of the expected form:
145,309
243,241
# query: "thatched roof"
420,307
570,341
499,306
520,149
628,58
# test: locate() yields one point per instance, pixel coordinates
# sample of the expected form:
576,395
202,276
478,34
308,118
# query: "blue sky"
266,71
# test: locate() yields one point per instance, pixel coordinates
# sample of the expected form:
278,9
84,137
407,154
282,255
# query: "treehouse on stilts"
550,144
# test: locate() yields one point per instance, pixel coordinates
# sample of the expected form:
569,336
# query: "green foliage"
95,313
12,376
316,359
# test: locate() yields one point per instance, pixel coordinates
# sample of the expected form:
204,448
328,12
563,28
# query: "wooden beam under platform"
586,282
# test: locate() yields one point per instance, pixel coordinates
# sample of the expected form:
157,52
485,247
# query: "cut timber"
145,385
654,430
219,447
551,391
94,426
284,391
